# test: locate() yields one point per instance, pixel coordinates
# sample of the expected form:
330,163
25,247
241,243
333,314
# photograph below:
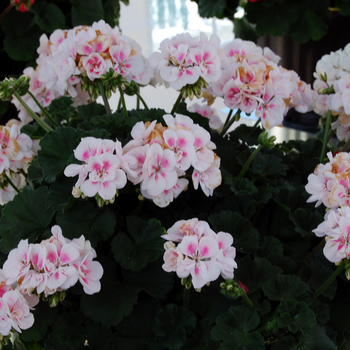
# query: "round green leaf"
48,16
173,323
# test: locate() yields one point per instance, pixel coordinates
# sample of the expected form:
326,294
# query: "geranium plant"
180,236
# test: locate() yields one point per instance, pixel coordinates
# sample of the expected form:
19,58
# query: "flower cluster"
330,182
201,253
333,84
14,308
54,265
156,158
164,154
17,150
71,59
183,60
252,81
101,172
330,185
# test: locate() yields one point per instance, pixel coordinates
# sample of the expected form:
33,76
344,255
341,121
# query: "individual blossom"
207,112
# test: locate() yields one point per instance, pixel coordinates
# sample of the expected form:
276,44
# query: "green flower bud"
62,296
100,200
53,300
327,91
265,141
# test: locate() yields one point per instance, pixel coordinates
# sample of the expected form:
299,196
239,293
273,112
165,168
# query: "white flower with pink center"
208,179
94,66
199,261
330,183
158,173
172,257
125,63
105,177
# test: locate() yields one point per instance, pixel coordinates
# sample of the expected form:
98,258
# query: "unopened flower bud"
100,200
265,141
327,91
347,274
53,300
62,296
76,192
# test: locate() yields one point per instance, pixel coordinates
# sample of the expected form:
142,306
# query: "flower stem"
142,100
176,105
229,123
228,117
346,146
137,102
123,101
45,112
23,173
4,13
247,300
250,159
313,252
325,138
186,297
10,183
105,100
329,280
32,114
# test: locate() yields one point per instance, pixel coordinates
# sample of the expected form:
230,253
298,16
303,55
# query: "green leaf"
152,279
48,16
234,329
240,186
96,224
114,301
317,340
4,105
62,109
246,238
17,24
45,316
244,30
91,110
135,332
306,221
255,273
296,317
60,193
267,164
309,26
173,323
25,217
22,48
285,343
284,287
208,8
56,148
34,131
84,12
247,134
35,172
141,246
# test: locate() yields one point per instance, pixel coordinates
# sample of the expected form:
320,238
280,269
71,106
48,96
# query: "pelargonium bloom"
201,253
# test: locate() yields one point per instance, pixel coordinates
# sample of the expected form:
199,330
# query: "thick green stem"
45,112
325,138
137,102
142,100
105,100
23,173
329,280
229,123
186,297
247,300
11,183
250,159
176,105
32,114
119,103
123,101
